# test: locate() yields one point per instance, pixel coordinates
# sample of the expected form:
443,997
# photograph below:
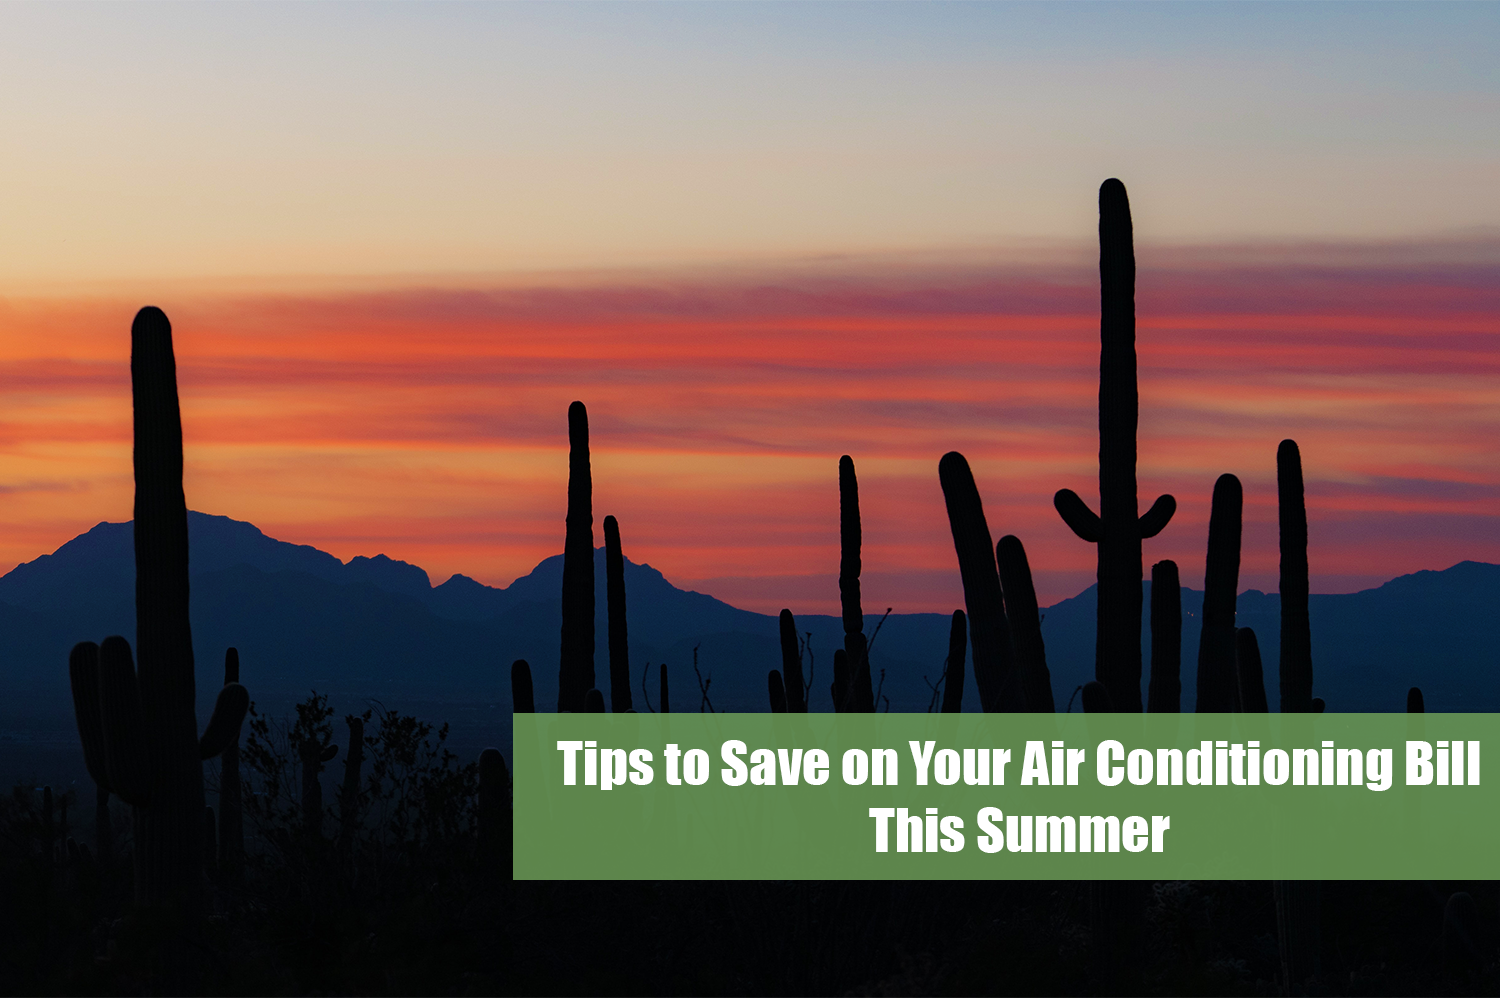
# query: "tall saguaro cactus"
860,696
1296,625
575,676
619,643
1217,688
138,726
1118,529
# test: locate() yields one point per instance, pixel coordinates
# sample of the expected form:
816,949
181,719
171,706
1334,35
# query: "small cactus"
593,702
1216,685
953,670
619,644
1164,695
349,809
231,843
1025,624
520,688
1252,684
1414,702
575,675
666,705
495,828
1463,953
314,754
1296,627
860,696
791,665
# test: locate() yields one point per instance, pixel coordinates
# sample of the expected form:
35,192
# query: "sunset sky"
395,241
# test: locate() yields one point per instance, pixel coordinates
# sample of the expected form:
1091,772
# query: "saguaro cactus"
1117,529
520,688
313,755
860,696
231,793
953,671
995,677
619,644
777,691
1216,683
1296,625
575,676
1165,692
495,829
1414,702
138,727
1025,624
791,665
1248,672
349,811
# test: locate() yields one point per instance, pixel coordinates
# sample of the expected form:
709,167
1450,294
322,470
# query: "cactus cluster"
138,727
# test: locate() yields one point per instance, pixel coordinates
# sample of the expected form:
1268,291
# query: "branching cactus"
575,676
138,728
231,792
953,671
1117,530
1164,695
1216,684
520,688
995,677
619,644
860,696
791,665
1025,624
1296,625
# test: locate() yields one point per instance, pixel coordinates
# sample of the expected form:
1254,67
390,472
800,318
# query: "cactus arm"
124,728
83,676
791,665
777,690
1155,519
1077,515
999,689
1025,624
224,725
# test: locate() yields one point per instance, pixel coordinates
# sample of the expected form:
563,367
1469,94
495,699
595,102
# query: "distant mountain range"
302,619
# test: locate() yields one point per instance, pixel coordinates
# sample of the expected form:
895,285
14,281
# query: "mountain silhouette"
301,618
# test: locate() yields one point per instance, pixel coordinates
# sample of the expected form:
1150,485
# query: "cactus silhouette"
520,688
1296,626
953,671
593,702
349,816
210,844
619,644
231,792
1164,696
1025,624
995,676
860,696
791,665
666,705
1117,530
314,755
839,688
777,691
1414,702
138,727
495,810
1299,936
104,837
1248,672
1463,952
575,676
1096,698
1217,690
